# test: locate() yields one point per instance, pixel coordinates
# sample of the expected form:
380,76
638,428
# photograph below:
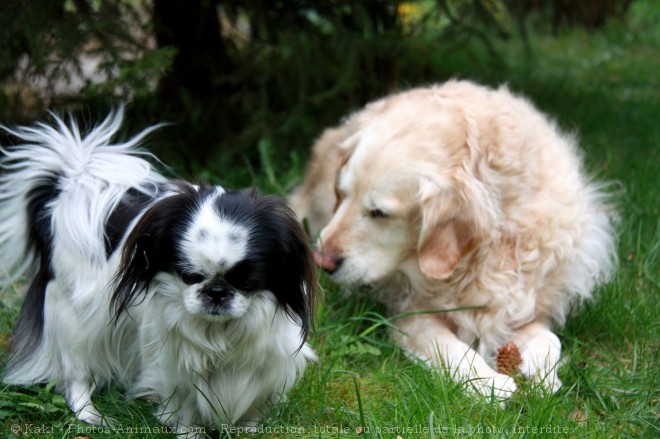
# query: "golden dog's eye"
377,213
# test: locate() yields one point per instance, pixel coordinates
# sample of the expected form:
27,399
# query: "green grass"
606,86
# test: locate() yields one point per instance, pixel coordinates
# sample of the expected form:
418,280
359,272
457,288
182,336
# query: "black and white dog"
193,296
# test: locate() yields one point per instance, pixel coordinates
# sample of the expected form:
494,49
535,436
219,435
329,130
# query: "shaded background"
249,84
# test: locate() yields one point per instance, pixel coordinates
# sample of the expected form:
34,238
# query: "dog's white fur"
201,369
455,196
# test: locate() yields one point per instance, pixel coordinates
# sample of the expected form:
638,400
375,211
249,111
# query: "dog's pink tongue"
323,261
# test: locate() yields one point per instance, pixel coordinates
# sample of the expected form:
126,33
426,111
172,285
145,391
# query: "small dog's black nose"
218,293
217,290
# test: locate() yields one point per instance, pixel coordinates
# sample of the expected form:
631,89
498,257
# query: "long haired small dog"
193,296
461,197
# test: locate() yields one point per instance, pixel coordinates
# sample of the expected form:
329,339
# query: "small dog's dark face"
215,251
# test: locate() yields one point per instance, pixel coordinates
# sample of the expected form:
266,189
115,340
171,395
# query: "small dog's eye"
192,278
377,213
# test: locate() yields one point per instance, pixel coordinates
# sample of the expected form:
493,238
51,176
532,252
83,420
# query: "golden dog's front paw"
498,387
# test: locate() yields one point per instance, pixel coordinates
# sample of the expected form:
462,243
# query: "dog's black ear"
151,246
291,272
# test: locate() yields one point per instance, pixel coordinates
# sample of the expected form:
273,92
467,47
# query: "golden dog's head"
408,191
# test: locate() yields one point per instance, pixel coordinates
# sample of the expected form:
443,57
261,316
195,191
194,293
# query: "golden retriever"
466,198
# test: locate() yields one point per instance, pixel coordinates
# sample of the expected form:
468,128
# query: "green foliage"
37,399
47,44
135,78
261,72
233,75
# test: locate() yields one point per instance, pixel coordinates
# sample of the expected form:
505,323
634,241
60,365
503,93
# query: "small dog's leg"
79,397
178,414
540,350
250,420
428,338
68,340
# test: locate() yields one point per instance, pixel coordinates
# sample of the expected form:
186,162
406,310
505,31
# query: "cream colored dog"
461,196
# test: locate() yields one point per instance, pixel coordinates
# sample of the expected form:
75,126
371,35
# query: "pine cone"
508,359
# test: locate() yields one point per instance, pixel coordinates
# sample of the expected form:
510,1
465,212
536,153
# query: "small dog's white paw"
90,415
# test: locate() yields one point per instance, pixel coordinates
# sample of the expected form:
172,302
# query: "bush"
233,75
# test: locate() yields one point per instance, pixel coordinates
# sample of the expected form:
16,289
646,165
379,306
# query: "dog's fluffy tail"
57,166
58,184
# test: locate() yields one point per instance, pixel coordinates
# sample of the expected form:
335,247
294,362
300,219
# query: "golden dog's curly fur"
456,196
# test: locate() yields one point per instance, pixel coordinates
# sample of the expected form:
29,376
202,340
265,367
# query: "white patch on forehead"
345,181
213,244
359,156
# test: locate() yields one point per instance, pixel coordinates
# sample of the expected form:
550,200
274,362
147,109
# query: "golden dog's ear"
344,156
455,218
442,246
